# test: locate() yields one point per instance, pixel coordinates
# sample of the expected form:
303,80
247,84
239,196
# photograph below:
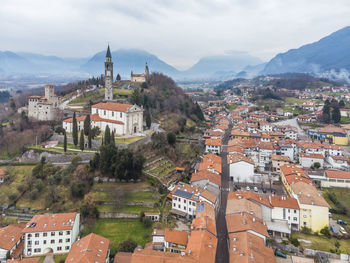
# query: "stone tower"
146,72
49,92
108,76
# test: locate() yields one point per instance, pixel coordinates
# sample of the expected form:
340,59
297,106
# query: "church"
123,119
140,77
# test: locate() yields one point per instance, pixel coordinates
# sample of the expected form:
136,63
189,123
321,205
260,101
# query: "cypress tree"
75,130
89,139
148,119
65,142
82,142
87,125
112,138
107,135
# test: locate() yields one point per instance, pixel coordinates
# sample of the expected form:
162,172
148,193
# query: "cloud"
180,32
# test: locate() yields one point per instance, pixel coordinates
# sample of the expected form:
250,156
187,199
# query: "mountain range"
328,57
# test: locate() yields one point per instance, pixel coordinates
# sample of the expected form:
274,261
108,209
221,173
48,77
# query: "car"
247,188
264,190
334,230
238,187
341,222
330,215
256,189
342,230
273,191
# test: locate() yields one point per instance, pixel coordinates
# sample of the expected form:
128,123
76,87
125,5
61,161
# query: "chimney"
253,219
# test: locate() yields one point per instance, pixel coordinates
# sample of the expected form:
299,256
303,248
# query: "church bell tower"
108,76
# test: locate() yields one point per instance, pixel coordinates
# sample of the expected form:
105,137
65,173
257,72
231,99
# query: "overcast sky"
178,31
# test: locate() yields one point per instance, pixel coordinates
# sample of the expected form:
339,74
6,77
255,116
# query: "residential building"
154,216
50,233
285,208
213,146
211,162
241,168
11,241
185,198
278,161
336,179
314,210
308,160
90,249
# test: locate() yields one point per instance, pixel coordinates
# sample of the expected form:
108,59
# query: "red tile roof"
206,175
50,222
337,174
112,106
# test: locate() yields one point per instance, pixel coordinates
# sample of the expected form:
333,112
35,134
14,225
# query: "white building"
308,160
287,209
291,134
213,146
185,198
10,239
50,233
123,119
140,77
43,108
241,168
335,178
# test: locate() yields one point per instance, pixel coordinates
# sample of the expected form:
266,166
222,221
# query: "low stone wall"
118,215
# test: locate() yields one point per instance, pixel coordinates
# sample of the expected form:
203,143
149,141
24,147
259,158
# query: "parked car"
279,253
341,222
273,191
330,215
238,187
264,190
256,189
334,230
247,188
342,230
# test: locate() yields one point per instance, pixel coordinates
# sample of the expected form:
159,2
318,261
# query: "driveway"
49,259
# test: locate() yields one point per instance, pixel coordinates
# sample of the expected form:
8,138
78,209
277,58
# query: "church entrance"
135,129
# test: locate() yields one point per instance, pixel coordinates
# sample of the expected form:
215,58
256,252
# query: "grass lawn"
292,101
128,209
232,107
322,243
59,258
343,196
17,175
142,196
123,92
118,230
128,140
344,120
92,95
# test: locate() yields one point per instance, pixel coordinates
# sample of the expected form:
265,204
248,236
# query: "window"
304,216
304,223
36,242
67,247
68,232
184,207
44,234
189,209
179,206
295,211
68,240
52,234
60,233
96,110
184,201
60,240
104,112
44,242
175,198
52,241
59,248
295,218
113,113
37,250
36,234
29,242
121,115
29,235
174,204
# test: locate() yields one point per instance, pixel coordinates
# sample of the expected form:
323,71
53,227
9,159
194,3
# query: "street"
222,254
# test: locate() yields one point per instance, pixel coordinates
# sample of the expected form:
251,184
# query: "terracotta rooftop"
153,256
123,257
211,162
90,249
215,142
202,245
246,247
205,218
191,192
311,155
331,129
176,237
338,174
24,260
284,158
236,157
113,106
50,222
284,201
234,148
95,118
206,175
245,222
243,206
308,194
9,235
250,196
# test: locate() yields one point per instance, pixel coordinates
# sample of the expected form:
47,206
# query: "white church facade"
123,119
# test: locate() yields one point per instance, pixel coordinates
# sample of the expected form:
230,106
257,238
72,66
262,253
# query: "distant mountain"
330,54
212,66
127,60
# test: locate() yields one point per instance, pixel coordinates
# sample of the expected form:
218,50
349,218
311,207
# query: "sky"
179,32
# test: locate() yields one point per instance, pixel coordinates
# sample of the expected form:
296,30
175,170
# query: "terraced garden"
162,169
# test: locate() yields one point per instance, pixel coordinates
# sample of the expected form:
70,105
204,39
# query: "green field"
118,230
292,101
122,92
322,243
128,140
17,176
345,120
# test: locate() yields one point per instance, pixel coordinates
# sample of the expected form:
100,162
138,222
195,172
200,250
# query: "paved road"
222,254
49,259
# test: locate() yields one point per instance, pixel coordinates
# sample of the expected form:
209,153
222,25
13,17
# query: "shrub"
147,222
325,231
295,242
128,245
171,138
306,230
